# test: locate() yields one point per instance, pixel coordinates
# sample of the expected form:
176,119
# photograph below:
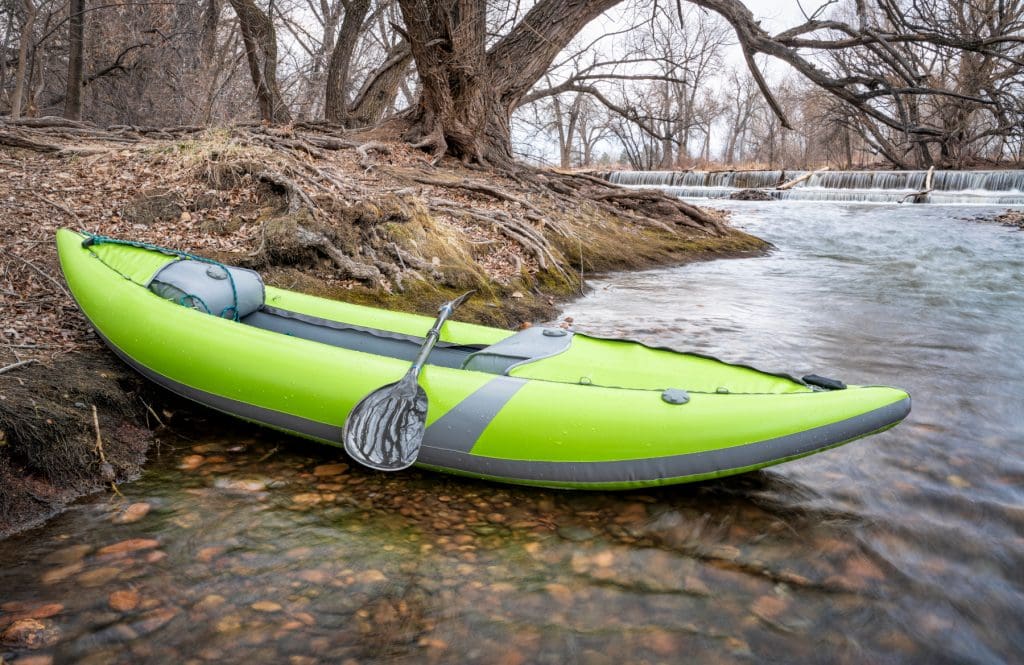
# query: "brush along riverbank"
329,213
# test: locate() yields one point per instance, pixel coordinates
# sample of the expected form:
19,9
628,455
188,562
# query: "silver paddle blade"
385,429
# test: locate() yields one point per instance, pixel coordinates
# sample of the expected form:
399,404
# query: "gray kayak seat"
206,287
524,347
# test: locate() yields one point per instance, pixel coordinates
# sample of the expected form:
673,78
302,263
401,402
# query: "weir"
948,187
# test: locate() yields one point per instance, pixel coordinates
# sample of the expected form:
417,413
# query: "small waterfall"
948,187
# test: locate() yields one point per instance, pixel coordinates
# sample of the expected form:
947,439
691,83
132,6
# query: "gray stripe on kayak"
657,468
459,429
674,466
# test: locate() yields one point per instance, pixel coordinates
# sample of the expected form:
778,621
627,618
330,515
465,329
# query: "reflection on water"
251,547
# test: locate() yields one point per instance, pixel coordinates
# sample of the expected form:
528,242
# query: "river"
246,546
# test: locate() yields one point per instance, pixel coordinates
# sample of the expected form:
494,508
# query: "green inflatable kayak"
543,406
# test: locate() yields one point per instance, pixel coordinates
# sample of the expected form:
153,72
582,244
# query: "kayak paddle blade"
385,429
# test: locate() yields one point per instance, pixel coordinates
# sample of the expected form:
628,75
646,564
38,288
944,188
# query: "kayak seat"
224,291
524,347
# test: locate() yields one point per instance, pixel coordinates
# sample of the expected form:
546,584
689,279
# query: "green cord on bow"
97,239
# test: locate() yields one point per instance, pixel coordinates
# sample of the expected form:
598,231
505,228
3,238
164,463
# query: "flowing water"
250,547
1005,187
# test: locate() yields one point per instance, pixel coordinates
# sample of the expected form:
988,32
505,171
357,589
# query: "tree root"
364,151
481,188
13,140
649,207
517,231
348,266
296,197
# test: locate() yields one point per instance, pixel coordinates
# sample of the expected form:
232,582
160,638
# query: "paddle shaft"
431,338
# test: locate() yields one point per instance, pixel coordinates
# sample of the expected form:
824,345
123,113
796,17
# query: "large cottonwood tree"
470,81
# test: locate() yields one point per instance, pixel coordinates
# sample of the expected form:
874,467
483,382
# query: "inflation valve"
675,396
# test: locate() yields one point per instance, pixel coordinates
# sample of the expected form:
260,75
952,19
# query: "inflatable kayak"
542,406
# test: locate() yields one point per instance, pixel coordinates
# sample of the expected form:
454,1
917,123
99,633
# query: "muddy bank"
67,428
328,214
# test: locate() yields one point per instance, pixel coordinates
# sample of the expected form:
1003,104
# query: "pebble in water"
124,600
132,513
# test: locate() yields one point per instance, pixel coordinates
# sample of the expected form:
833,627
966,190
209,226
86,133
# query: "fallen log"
796,181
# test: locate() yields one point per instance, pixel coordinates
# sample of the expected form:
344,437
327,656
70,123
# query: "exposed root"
296,197
435,143
480,187
527,237
365,149
348,266
649,207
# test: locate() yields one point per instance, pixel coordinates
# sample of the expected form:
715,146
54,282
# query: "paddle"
385,429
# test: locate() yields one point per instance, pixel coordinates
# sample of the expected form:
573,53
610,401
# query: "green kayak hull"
581,412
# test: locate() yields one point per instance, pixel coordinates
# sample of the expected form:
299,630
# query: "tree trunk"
208,36
468,92
31,11
76,46
336,104
378,93
261,52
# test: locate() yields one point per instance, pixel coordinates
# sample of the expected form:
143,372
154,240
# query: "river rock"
124,600
561,593
769,607
576,534
266,606
191,462
210,602
751,195
662,643
133,513
208,554
68,555
154,620
241,484
29,634
98,576
62,573
371,576
330,470
128,546
18,610
307,498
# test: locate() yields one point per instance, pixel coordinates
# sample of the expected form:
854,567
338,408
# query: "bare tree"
76,48
260,40
336,105
24,42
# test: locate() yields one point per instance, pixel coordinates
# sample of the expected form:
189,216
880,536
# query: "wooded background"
652,84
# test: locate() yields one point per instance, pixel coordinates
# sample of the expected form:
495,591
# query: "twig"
68,211
12,366
38,270
268,455
99,449
99,439
161,423
153,413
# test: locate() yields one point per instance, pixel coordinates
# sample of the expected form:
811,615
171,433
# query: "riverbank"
332,214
